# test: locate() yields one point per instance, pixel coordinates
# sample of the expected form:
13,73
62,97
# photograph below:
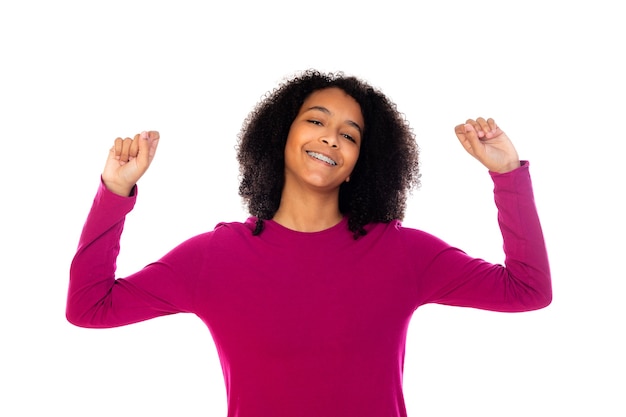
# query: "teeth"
322,158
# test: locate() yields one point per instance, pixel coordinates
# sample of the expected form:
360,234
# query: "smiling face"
324,140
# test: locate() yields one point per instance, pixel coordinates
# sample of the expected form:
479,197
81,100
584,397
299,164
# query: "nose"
330,140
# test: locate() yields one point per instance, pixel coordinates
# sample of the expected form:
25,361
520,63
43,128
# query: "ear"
348,179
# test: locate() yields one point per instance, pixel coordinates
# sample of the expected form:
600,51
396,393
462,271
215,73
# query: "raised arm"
523,282
96,297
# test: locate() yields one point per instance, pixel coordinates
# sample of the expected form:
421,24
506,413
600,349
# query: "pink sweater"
309,324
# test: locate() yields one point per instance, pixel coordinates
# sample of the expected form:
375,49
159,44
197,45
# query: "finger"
134,147
148,143
154,137
143,157
473,143
494,130
459,131
117,147
463,136
476,125
485,127
124,153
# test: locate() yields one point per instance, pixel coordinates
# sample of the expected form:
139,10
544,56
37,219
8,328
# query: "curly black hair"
385,172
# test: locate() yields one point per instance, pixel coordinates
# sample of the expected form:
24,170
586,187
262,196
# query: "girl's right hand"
128,160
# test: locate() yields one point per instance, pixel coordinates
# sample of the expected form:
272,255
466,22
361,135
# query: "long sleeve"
96,298
523,283
310,324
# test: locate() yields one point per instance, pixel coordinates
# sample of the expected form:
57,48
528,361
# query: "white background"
75,75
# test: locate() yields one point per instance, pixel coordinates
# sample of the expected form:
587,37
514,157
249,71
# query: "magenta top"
310,324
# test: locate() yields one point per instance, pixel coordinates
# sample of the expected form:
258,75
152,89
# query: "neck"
308,212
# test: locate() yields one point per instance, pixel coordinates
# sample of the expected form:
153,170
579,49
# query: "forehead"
336,101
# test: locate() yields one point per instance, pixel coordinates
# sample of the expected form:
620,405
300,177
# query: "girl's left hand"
485,141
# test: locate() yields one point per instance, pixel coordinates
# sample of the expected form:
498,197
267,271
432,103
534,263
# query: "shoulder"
244,228
222,242
394,232
229,232
222,233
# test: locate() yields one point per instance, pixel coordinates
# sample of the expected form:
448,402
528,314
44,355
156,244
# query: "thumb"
148,142
470,140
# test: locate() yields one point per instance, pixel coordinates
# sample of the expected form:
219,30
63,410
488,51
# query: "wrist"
512,166
121,190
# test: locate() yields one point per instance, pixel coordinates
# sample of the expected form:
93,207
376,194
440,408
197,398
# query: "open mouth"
321,157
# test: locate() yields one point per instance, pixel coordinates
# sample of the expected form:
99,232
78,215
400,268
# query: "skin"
128,160
329,125
485,141
326,124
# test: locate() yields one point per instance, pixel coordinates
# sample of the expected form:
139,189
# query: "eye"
350,138
315,122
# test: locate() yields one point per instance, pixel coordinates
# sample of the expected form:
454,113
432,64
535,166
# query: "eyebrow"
325,110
